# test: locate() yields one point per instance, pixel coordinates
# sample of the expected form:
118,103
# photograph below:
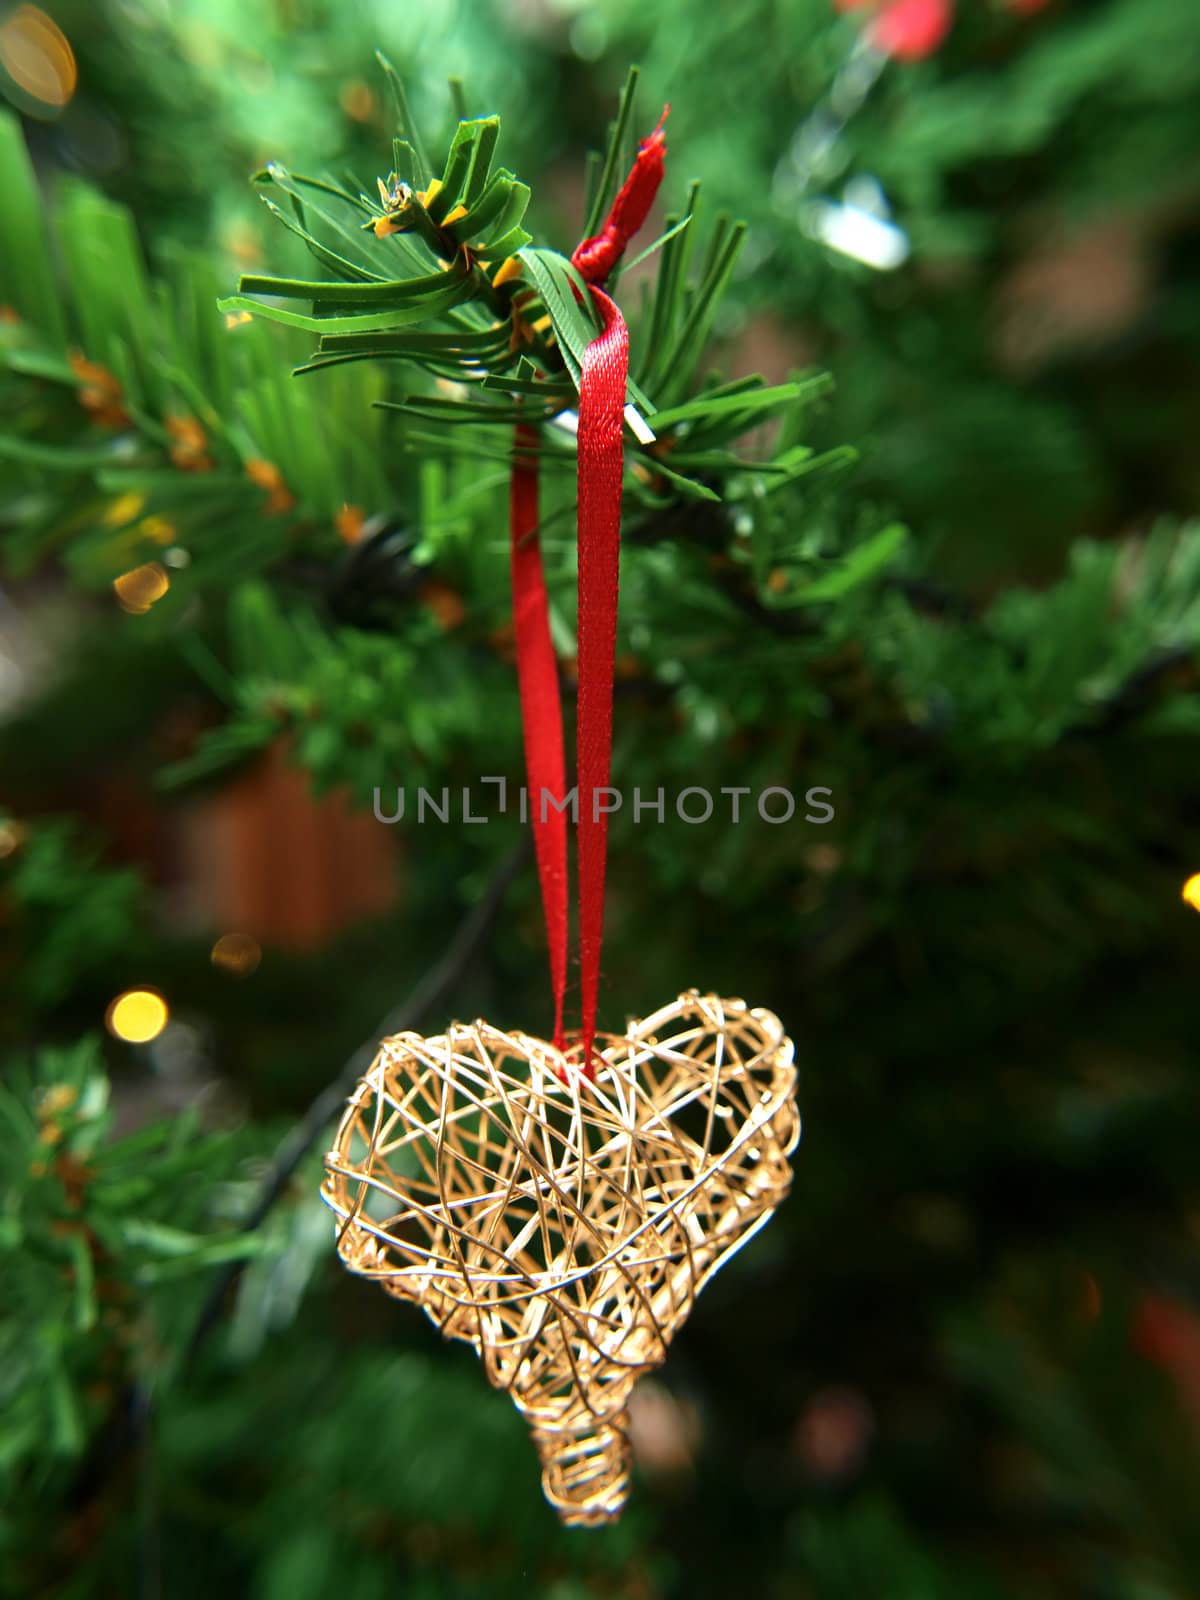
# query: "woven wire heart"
563,1225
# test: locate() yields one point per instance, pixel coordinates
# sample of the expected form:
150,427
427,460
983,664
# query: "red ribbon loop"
601,464
596,257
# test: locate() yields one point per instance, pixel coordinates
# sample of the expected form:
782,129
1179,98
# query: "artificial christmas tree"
958,1361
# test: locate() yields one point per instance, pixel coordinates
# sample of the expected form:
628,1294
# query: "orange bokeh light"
138,589
37,56
237,953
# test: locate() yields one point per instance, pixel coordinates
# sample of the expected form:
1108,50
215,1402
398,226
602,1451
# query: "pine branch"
510,322
141,421
134,419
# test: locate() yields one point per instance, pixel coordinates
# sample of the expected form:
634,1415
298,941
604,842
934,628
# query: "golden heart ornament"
563,1223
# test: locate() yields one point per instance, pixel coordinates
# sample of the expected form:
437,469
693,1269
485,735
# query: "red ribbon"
601,466
541,708
600,470
596,257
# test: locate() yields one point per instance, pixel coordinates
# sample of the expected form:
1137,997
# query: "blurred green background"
964,1359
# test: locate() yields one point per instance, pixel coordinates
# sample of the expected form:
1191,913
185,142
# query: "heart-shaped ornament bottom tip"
560,1223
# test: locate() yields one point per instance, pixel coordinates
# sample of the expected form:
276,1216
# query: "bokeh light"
137,1016
357,100
1191,891
12,836
138,589
237,953
37,56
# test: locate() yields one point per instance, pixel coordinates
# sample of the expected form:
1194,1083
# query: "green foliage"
364,1449
168,429
362,709
1048,662
65,914
844,1551
96,1235
1046,1365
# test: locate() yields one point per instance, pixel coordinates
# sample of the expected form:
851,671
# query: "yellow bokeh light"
139,589
161,531
12,837
126,508
1191,891
237,953
137,1016
37,56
